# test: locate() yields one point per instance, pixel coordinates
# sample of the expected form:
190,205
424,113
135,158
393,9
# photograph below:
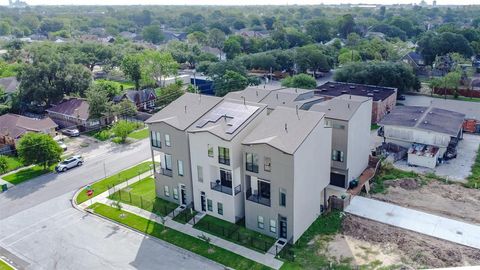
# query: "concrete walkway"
417,221
265,259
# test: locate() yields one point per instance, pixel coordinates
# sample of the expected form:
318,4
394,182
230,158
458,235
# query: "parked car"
69,163
62,145
401,97
71,132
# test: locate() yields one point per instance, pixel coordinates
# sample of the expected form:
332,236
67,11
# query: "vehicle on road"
62,145
69,163
71,132
401,97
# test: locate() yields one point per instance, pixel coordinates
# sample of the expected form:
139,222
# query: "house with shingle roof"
14,126
143,99
74,113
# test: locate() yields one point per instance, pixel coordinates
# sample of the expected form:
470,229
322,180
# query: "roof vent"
344,92
351,87
425,122
332,86
370,94
376,91
415,119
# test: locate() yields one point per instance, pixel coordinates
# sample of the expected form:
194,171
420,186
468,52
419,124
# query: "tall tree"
157,66
153,34
98,101
131,66
39,148
346,25
216,38
230,81
318,29
303,81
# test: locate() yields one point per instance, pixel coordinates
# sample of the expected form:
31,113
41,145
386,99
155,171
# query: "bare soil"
404,248
448,200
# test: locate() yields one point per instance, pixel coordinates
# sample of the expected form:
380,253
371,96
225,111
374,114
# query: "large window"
209,205
283,197
273,226
166,191
224,155
251,162
167,140
180,167
260,223
168,162
338,126
267,164
226,178
210,151
175,193
155,139
337,155
220,208
200,173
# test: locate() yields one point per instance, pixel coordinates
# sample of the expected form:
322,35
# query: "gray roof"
74,107
425,118
15,125
291,97
284,129
185,110
341,108
252,94
227,118
9,84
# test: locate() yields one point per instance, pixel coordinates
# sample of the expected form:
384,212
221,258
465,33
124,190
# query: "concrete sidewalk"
444,228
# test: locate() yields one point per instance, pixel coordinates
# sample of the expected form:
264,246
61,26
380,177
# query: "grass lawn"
126,85
5,266
388,172
474,178
185,216
142,194
13,163
314,239
139,134
177,238
26,174
236,233
102,186
101,134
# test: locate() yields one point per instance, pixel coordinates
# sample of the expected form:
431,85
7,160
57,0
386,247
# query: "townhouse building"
349,117
286,164
170,145
216,157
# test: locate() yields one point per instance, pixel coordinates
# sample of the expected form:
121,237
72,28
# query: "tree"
121,130
5,28
98,101
398,75
40,149
346,25
216,38
348,56
3,164
91,54
125,108
232,47
158,65
318,30
432,45
197,37
310,57
302,80
51,25
153,34
131,66
230,81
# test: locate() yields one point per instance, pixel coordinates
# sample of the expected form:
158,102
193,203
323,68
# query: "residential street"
39,226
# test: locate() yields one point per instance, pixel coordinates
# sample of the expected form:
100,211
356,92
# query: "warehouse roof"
335,89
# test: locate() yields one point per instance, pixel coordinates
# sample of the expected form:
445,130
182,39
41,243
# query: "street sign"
90,192
88,187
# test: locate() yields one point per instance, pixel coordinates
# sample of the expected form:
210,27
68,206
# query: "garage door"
337,180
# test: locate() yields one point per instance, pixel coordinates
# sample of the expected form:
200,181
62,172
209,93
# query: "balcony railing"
224,189
166,172
253,197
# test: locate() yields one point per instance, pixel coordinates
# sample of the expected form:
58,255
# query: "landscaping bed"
140,134
177,238
236,233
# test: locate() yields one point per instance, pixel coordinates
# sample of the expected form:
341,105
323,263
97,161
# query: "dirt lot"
448,200
376,244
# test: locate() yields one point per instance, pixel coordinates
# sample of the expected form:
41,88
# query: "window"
180,167
200,174
260,223
168,162
226,178
209,205
155,139
166,191
223,155
210,151
167,140
175,193
251,162
273,226
283,197
328,123
220,208
338,126
337,155
267,164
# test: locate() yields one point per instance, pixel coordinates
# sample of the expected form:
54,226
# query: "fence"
232,233
285,253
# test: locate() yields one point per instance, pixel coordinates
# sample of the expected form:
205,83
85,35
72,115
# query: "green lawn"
236,233
126,85
309,249
177,238
13,163
101,134
4,266
388,172
26,174
140,134
185,216
474,178
102,186
142,194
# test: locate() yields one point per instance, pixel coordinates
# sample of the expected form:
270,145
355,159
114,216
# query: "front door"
203,202
283,227
183,195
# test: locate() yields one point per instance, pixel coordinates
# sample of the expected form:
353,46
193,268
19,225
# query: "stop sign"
89,192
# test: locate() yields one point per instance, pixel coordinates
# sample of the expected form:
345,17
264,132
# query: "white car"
69,163
62,145
71,132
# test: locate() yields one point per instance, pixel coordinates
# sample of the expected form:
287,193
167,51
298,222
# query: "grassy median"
177,238
27,174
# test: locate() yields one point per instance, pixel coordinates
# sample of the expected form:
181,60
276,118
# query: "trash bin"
4,187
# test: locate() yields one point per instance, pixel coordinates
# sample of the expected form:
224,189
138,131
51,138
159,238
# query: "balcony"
253,196
166,172
225,189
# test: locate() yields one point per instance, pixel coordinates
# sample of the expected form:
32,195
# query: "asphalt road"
39,228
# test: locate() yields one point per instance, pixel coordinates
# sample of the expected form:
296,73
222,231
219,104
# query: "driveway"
39,228
457,169
421,222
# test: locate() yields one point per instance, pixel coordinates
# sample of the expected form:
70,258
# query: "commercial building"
286,164
384,98
349,117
